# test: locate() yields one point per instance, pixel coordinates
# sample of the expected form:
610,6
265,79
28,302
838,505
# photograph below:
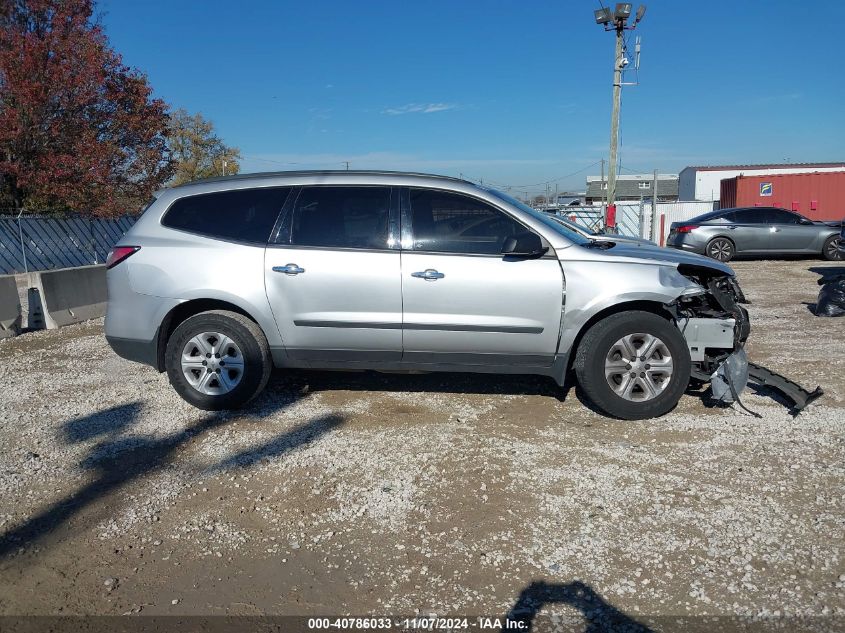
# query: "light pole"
616,20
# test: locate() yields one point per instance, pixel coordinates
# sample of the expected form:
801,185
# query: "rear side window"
752,216
451,223
341,217
245,215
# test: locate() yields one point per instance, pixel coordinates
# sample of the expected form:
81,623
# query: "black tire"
257,363
720,249
830,250
597,344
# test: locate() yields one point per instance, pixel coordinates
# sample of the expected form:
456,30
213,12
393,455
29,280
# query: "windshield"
548,220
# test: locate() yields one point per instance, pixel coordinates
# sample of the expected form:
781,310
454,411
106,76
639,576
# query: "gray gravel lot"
376,494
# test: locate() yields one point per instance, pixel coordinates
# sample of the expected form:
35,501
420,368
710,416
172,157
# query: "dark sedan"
756,231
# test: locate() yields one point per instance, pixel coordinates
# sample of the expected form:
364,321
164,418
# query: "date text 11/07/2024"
421,623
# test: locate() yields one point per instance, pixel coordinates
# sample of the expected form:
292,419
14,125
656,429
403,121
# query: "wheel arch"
655,307
722,236
184,311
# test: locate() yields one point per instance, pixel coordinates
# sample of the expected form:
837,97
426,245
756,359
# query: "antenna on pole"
637,53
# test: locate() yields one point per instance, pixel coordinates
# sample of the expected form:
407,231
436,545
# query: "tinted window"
342,217
781,216
752,216
548,220
708,217
246,215
451,223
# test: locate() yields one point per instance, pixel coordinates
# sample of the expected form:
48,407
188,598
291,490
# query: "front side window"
244,215
781,216
446,222
341,217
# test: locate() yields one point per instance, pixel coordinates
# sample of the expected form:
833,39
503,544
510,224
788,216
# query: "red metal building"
817,195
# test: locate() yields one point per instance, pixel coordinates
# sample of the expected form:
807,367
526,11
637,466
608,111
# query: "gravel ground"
363,493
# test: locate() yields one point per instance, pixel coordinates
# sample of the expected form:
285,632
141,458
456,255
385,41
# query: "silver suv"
220,280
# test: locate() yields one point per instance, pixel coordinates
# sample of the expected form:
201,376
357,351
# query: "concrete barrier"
10,307
65,296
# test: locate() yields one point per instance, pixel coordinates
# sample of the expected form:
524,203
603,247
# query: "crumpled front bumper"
716,328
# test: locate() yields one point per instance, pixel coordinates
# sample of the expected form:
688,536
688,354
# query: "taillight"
119,253
686,228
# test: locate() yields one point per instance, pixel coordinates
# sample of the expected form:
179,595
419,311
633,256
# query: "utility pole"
601,184
614,116
617,21
654,229
347,165
224,166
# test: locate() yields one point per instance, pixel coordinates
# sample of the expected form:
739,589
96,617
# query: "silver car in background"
726,233
221,280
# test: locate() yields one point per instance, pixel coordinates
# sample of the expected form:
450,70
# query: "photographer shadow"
599,615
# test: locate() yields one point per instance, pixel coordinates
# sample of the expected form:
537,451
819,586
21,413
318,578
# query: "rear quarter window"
244,215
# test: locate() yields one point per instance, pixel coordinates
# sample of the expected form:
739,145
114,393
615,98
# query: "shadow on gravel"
600,616
110,421
120,461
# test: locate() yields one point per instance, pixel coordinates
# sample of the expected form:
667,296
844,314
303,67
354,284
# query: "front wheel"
830,250
721,249
218,360
633,365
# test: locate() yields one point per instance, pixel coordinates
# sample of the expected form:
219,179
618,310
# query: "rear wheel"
633,365
720,248
830,250
218,360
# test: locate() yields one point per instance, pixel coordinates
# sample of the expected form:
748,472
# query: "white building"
704,183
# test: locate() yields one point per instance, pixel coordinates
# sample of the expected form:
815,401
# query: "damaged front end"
716,327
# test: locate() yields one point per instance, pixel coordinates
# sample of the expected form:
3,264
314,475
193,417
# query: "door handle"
288,269
732,227
429,275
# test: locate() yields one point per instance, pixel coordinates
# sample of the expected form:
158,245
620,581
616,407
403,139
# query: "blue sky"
516,93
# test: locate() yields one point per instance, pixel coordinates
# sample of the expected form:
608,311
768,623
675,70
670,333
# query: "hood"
647,253
623,239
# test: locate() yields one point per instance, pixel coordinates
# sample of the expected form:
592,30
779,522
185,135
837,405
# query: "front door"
333,276
464,303
788,234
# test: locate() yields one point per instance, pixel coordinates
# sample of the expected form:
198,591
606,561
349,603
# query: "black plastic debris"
831,301
732,376
799,396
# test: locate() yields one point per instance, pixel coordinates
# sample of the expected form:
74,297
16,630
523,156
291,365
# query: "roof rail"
319,172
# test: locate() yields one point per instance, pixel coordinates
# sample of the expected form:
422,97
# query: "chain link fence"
36,242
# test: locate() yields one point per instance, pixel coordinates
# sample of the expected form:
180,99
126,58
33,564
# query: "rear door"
333,275
788,234
750,231
463,301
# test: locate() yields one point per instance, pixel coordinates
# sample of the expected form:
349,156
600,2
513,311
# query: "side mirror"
805,221
523,245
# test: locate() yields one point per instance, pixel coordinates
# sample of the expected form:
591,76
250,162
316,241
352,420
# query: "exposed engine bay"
716,327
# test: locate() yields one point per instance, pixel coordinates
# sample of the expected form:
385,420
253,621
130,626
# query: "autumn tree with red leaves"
79,130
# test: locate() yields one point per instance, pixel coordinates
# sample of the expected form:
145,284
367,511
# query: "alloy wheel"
638,367
720,249
833,251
